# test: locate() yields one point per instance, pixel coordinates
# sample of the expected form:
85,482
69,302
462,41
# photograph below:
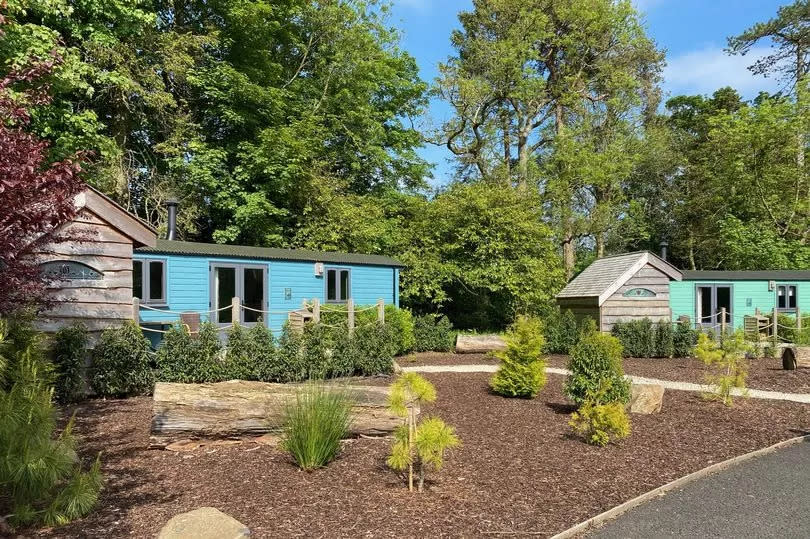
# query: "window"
338,285
786,297
639,293
246,282
149,281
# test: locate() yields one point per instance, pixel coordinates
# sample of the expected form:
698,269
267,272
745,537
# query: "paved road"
765,497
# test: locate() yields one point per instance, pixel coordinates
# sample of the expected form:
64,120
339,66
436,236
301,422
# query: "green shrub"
684,339
120,363
599,420
728,360
596,362
522,372
664,339
187,358
41,478
561,331
241,361
637,337
399,321
315,423
68,351
433,333
374,350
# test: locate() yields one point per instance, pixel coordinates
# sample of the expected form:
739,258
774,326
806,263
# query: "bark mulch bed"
519,470
445,358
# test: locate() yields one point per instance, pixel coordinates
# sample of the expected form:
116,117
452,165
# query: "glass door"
248,283
710,300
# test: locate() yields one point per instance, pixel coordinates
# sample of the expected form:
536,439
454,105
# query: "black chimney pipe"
171,206
664,245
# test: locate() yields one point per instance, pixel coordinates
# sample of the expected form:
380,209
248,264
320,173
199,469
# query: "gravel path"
764,497
668,384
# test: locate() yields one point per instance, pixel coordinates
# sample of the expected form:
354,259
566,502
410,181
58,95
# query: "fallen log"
794,357
236,409
479,344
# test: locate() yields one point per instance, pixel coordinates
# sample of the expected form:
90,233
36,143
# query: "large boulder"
204,523
479,344
646,398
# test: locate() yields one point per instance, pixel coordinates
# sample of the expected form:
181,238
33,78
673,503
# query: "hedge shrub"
433,333
684,339
596,370
561,330
68,352
187,358
120,363
643,338
400,323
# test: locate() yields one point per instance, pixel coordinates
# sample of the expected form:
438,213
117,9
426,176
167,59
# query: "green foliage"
315,423
120,364
684,339
375,346
727,356
643,338
599,420
422,444
433,333
596,369
41,476
561,331
187,358
522,372
400,323
68,351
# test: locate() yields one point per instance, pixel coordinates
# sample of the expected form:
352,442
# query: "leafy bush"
598,419
68,351
315,423
120,363
422,443
187,358
728,359
664,339
374,350
41,477
596,362
400,323
433,333
561,331
522,372
637,337
684,339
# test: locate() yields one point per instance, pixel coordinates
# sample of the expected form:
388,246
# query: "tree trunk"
569,256
237,408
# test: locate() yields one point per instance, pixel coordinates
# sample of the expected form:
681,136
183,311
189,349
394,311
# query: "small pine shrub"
596,362
433,333
120,363
41,477
315,423
598,420
68,352
684,339
417,444
728,358
522,372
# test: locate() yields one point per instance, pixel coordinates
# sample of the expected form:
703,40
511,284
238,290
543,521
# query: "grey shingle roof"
767,275
265,253
599,276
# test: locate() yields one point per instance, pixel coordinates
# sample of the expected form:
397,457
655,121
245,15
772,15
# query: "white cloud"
705,70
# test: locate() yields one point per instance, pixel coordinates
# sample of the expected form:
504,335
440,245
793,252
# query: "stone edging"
610,514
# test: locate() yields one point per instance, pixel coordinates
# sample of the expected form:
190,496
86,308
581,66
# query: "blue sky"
692,32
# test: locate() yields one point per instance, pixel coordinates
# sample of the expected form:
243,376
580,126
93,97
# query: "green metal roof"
765,275
265,253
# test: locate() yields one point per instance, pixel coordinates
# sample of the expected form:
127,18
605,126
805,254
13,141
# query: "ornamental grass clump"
315,423
727,357
422,444
522,372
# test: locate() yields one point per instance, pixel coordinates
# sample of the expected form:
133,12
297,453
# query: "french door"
710,300
245,281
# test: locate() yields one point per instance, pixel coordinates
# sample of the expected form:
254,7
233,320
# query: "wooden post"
775,327
236,311
798,319
316,310
136,310
350,314
381,311
722,322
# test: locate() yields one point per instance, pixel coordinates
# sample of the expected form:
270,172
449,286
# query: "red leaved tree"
36,198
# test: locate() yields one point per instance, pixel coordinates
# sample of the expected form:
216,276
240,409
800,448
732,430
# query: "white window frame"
336,269
145,286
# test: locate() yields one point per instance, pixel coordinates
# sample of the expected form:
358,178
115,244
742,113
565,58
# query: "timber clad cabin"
641,285
119,263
